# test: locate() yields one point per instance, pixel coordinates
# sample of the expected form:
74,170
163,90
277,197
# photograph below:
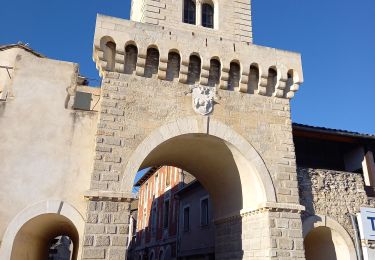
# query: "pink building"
158,210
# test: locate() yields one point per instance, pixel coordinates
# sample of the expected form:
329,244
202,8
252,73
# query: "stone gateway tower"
183,85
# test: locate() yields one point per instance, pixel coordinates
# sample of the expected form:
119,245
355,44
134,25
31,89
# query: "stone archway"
325,238
31,230
216,155
228,167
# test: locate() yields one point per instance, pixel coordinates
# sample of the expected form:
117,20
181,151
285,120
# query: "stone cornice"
264,207
109,195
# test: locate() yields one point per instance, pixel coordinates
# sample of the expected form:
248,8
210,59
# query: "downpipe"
358,247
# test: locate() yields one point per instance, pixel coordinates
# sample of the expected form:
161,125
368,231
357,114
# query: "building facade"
196,229
158,212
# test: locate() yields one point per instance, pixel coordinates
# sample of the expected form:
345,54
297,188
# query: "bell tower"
229,19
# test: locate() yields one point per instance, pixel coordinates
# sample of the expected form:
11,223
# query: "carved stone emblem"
203,99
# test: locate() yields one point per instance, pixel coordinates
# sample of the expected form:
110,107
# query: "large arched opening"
33,232
226,165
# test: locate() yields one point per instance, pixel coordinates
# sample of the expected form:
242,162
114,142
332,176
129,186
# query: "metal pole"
358,247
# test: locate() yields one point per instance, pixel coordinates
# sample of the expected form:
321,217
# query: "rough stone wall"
332,193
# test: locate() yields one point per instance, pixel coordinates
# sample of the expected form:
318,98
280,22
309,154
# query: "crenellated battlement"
192,57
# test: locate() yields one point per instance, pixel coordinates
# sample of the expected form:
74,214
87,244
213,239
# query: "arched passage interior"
37,225
33,240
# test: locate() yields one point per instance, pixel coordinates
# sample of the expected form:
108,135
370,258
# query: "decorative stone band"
264,207
108,196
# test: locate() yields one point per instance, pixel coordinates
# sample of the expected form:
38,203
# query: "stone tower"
184,85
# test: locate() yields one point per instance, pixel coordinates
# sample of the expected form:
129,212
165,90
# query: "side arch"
322,221
51,208
241,149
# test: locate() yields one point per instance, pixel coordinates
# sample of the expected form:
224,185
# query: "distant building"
158,212
196,237
61,249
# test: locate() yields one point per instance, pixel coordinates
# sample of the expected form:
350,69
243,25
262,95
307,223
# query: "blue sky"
336,39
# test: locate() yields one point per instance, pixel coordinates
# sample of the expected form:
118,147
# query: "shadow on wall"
305,187
319,245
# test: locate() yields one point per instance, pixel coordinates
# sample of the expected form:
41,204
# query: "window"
156,188
144,219
168,177
166,215
189,12
207,16
186,219
153,220
161,255
145,195
204,212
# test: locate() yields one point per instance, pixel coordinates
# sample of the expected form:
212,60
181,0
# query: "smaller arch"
173,67
194,70
271,81
108,46
161,254
152,62
152,255
131,56
214,73
208,15
323,231
54,217
189,12
254,76
234,75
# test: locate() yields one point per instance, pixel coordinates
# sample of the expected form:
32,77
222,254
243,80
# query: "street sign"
367,223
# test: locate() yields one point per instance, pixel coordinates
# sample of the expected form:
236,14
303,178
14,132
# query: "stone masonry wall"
106,230
132,107
267,235
332,193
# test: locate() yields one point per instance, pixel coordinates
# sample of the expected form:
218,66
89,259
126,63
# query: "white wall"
46,150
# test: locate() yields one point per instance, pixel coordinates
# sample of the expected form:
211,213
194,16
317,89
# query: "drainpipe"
358,247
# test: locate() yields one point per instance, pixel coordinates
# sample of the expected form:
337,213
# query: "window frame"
184,220
205,16
166,211
202,224
189,12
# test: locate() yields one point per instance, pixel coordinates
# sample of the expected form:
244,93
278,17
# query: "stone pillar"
267,233
106,230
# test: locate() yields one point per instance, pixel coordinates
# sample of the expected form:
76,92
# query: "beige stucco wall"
46,150
7,59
